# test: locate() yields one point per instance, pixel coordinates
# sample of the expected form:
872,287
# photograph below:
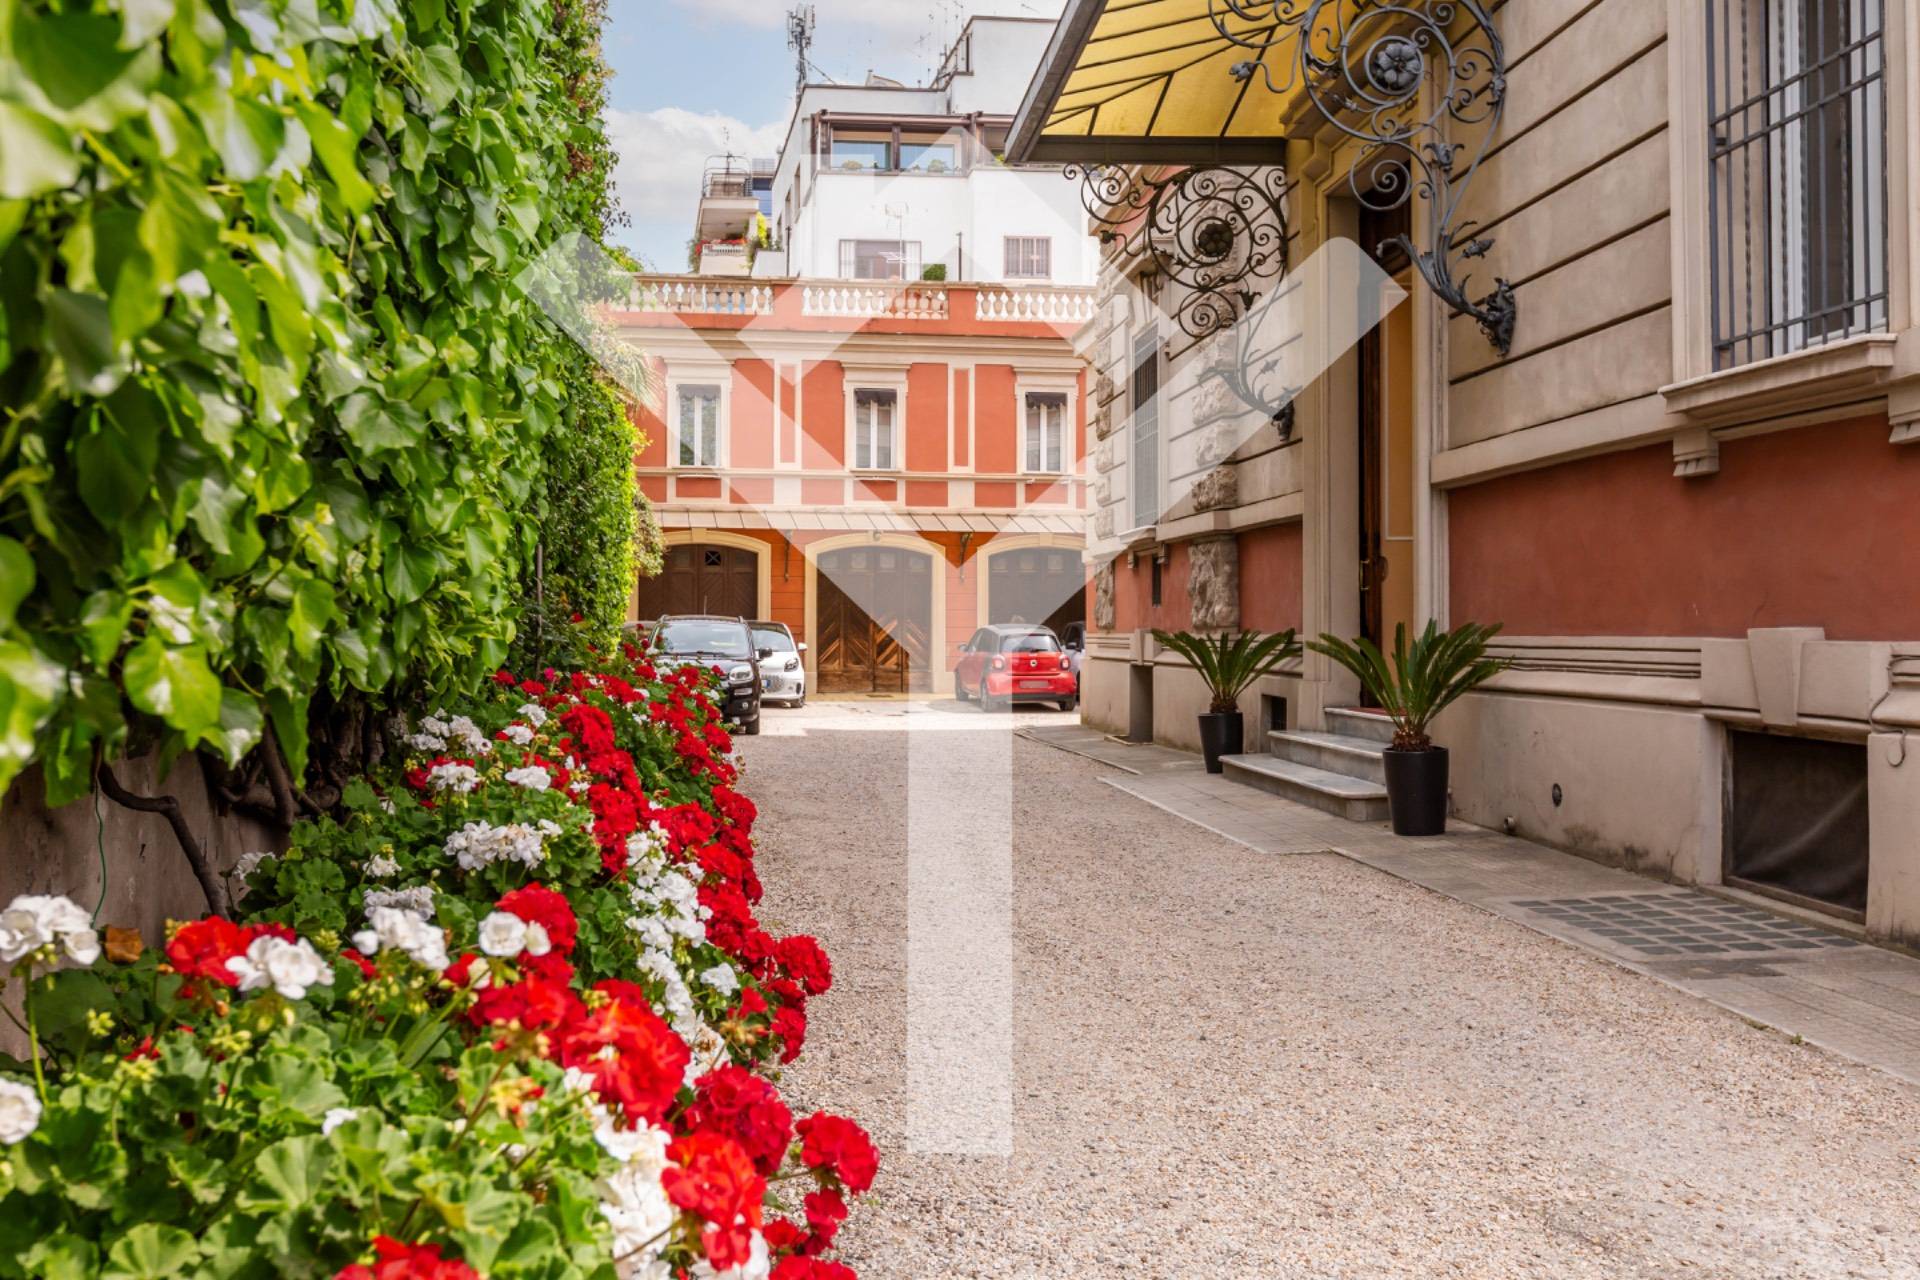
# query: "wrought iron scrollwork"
1219,233
1364,64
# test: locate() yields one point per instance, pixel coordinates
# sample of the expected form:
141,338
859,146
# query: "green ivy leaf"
81,329
28,686
36,155
16,579
103,621
173,684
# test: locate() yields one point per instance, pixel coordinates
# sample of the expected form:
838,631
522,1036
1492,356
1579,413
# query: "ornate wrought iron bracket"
1220,234
1366,65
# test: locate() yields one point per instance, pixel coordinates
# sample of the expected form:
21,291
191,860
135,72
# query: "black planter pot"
1417,791
1222,734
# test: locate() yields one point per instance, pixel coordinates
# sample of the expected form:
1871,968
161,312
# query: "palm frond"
1229,664
1425,676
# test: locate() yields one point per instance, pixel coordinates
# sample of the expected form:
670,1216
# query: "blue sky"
692,76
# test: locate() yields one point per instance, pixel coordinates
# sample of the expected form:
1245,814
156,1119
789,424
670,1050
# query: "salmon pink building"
868,419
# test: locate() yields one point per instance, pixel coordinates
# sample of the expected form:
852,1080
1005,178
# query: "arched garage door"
874,620
1038,585
702,578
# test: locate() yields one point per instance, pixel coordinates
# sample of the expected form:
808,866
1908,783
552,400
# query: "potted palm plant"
1423,680
1229,664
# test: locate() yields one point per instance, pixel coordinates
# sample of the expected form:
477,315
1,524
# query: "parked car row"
1002,664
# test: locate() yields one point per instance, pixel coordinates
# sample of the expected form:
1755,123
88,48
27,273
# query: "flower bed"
511,1015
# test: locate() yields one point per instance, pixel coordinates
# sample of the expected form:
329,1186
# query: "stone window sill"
1834,373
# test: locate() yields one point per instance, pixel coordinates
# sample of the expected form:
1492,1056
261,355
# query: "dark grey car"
711,640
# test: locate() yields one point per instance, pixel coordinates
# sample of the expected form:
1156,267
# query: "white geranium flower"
478,844
380,866
82,945
336,1117
518,734
290,968
397,930
462,778
532,777
634,1202
722,978
19,1111
538,943
503,934
418,900
32,921
533,713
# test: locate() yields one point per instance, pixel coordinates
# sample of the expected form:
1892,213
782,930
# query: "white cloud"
662,155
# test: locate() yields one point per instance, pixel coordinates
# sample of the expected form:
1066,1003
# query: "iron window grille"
1797,189
874,414
1029,258
699,426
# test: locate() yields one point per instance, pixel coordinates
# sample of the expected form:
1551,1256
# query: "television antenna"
801,20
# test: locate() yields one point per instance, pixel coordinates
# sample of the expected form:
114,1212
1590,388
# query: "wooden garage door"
875,620
699,578
1042,585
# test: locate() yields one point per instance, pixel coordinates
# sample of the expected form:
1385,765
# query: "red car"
1014,662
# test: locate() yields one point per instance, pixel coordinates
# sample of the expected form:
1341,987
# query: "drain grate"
1684,924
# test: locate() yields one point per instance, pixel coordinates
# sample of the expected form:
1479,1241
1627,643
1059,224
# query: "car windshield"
1030,642
696,637
774,638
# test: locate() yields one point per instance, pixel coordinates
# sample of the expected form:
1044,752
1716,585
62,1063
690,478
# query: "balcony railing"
871,301
1058,306
1035,304
704,297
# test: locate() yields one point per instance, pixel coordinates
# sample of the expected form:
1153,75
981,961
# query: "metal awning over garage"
1137,81
844,520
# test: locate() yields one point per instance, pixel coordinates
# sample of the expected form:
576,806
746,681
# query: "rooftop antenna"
801,20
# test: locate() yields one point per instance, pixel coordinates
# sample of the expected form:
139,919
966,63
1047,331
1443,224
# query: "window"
1029,258
928,157
1154,589
697,425
1145,428
879,260
857,154
874,414
1046,431
1797,194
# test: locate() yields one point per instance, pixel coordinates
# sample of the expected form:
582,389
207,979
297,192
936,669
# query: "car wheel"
800,701
959,690
987,701
751,727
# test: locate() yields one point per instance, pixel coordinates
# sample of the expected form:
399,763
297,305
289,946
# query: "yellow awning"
1136,81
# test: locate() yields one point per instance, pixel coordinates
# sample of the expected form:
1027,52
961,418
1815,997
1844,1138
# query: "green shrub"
277,415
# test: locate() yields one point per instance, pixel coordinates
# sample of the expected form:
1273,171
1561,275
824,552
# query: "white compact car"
783,676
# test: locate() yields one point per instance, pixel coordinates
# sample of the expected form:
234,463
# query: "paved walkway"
1788,970
1238,1066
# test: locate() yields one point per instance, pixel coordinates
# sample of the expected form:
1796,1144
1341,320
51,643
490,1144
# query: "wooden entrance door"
874,620
702,578
1045,586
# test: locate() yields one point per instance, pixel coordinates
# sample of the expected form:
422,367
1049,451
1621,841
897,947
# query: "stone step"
1334,752
1357,723
1354,799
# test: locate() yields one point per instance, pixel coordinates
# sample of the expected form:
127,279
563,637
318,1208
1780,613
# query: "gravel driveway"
1237,1065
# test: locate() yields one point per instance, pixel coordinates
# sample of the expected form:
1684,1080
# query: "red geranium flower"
537,904
397,1261
713,1178
840,1147
805,963
741,1105
825,1212
797,1267
202,948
